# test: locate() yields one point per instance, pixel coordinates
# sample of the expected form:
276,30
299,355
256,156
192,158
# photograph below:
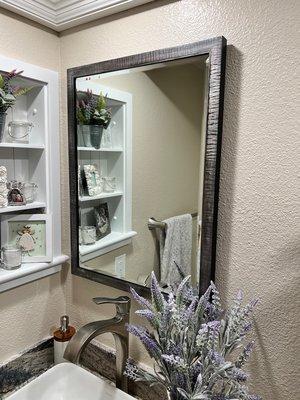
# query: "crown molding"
63,14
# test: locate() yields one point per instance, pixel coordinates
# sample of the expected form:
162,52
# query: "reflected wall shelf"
100,196
115,161
110,242
37,161
108,150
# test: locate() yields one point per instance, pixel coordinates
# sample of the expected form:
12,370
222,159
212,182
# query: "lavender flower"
150,316
157,297
175,362
192,342
244,356
239,375
143,302
150,343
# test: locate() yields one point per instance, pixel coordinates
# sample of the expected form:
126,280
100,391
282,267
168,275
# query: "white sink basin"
68,382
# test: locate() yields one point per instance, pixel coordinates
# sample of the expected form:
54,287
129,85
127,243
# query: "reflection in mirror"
141,147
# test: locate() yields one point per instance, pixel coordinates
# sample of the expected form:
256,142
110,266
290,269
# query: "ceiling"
63,14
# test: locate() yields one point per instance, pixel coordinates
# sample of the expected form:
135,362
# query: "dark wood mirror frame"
215,48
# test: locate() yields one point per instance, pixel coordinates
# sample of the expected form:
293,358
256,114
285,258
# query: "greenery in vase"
92,110
197,347
8,92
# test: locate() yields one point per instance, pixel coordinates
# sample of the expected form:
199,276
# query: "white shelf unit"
36,161
111,162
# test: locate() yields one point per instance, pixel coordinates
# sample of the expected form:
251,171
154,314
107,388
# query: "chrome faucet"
116,326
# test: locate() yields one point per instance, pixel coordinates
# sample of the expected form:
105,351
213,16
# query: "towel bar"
154,224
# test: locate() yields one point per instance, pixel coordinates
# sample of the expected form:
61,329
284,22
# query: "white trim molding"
60,15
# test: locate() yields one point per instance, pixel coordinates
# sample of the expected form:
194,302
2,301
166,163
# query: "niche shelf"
103,150
115,161
36,161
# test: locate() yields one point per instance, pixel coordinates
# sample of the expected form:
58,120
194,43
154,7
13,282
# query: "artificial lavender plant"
197,347
8,92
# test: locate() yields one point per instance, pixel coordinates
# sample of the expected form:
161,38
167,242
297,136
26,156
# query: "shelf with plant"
8,95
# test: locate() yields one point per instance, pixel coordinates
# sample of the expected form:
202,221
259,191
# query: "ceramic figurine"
3,187
26,240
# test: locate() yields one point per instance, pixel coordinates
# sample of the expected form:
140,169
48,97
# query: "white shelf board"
29,272
101,196
103,150
29,206
22,146
110,242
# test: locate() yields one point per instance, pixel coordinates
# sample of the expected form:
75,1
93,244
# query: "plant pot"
96,135
84,135
174,395
2,124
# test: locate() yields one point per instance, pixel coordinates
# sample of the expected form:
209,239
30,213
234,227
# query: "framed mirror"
144,158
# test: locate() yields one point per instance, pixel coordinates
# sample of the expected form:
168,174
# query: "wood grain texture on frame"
216,49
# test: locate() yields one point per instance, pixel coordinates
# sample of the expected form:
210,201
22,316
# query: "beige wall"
257,244
258,237
166,137
29,312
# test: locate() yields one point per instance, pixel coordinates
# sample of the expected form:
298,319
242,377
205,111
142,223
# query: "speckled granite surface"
103,361
25,367
99,360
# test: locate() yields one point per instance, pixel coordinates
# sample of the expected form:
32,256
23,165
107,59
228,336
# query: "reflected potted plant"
92,117
197,348
8,96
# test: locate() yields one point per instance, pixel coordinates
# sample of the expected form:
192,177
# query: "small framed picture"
102,220
33,233
93,180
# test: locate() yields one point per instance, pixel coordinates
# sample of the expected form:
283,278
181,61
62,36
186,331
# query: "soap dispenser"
61,337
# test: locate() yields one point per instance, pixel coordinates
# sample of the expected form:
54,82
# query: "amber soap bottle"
61,337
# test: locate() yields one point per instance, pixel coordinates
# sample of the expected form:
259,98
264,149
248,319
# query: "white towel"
176,247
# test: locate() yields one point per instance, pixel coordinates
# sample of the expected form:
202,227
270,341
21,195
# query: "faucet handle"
122,303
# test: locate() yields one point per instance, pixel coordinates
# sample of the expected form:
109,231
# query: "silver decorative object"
3,187
2,124
88,234
93,180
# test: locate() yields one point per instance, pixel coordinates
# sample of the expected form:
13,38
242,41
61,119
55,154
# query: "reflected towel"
176,247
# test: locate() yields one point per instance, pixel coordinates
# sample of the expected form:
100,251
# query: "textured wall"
27,313
258,239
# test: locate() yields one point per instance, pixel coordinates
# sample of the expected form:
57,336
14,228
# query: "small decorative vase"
96,135
2,124
84,135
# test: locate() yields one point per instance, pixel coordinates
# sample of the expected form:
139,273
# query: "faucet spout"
116,326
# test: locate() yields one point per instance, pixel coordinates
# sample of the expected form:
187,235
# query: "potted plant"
100,120
8,96
92,117
197,347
